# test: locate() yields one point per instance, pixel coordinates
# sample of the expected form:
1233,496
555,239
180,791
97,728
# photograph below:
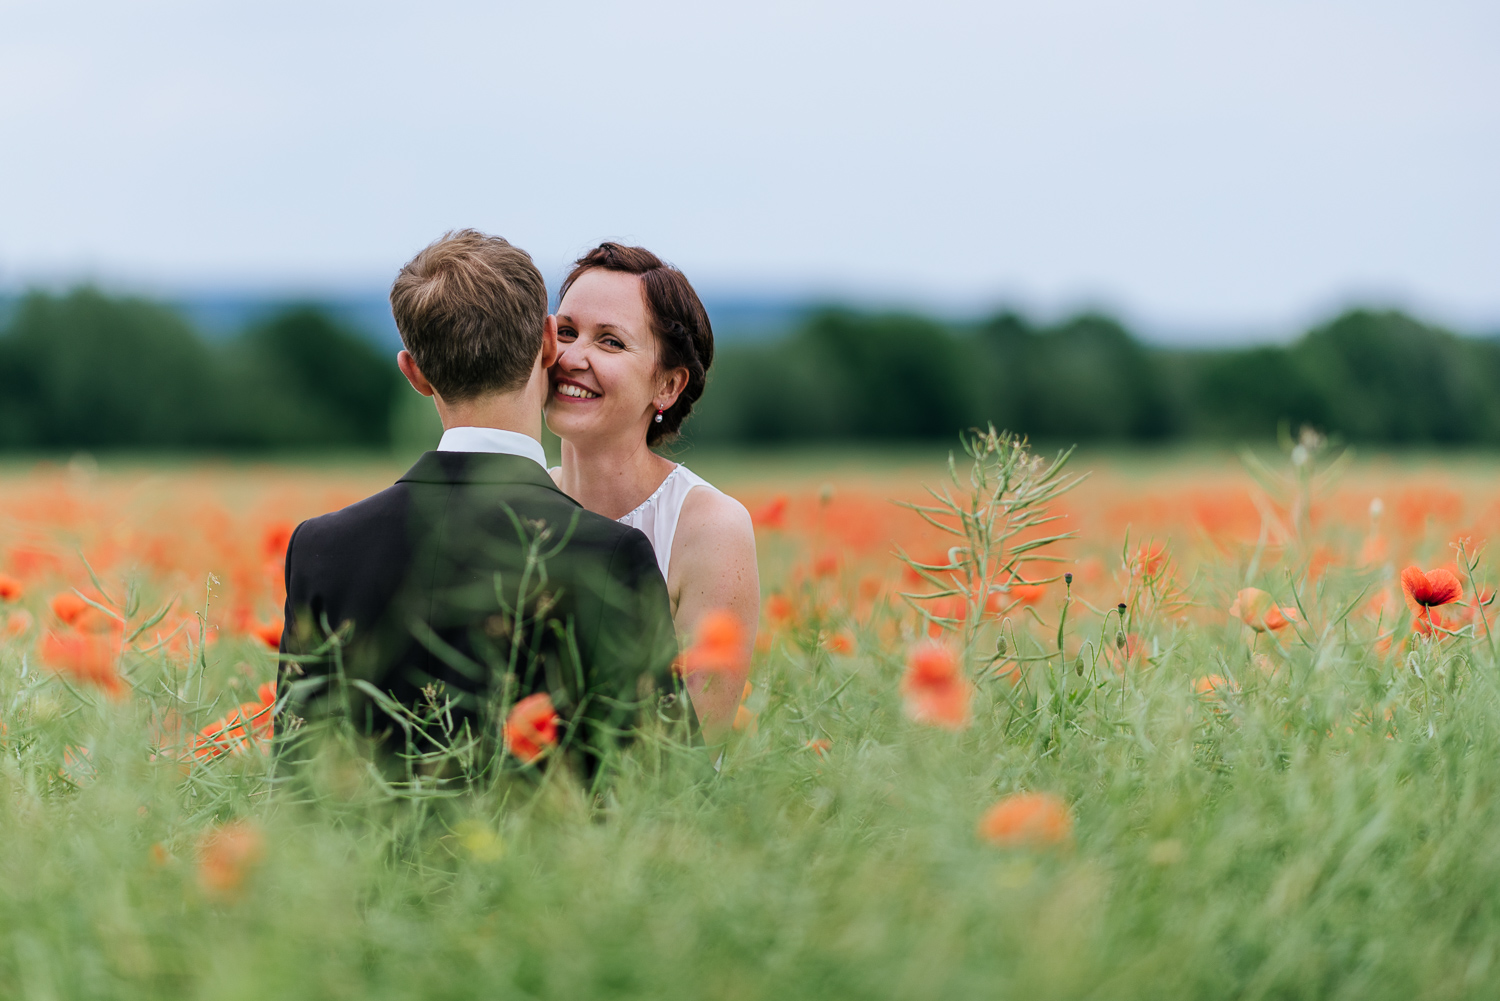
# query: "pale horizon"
1214,174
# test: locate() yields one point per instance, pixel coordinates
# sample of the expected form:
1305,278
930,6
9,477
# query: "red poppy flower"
10,589
934,687
1430,588
1430,622
531,727
269,633
1254,607
273,544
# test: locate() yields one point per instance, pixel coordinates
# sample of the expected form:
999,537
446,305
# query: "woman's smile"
574,392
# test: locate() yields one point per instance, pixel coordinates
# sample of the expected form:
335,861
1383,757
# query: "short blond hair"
471,309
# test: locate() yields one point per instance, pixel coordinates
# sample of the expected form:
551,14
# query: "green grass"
1286,842
1253,850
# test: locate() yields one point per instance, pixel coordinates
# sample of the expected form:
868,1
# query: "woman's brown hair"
684,336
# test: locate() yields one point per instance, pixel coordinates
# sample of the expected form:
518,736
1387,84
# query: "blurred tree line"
1368,376
87,370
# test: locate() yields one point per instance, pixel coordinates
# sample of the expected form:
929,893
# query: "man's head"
472,311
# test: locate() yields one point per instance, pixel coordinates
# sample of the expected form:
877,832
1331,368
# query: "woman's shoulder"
711,512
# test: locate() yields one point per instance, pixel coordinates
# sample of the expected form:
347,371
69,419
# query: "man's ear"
548,357
408,366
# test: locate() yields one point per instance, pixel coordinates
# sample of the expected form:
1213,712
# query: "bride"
634,346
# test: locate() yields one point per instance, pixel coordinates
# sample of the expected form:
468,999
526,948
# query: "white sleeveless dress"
657,515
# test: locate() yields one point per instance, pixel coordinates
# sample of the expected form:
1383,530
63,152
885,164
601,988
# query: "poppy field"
1178,726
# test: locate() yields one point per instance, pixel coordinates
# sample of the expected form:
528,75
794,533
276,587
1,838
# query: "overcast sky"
1216,165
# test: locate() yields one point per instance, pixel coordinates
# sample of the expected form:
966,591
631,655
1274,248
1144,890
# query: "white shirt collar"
493,440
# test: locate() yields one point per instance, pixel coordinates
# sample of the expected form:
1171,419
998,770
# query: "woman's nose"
571,357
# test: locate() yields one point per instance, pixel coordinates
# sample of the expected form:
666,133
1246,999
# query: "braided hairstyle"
684,337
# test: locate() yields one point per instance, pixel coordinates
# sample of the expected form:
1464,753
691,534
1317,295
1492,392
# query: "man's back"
436,575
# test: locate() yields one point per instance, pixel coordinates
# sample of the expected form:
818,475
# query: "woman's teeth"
567,389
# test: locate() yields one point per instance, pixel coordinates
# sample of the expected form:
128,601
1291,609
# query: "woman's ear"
672,386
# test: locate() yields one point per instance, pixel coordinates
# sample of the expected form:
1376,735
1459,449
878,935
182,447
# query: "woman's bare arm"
713,567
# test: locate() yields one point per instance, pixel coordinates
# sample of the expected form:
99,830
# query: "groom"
475,579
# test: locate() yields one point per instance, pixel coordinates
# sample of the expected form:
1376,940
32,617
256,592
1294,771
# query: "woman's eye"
614,342
566,334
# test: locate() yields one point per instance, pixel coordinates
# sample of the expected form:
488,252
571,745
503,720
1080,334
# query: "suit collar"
479,467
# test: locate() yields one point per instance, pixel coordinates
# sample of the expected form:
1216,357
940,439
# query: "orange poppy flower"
10,589
531,727
249,726
69,607
779,609
1214,686
17,623
948,613
840,643
934,688
87,658
227,854
1254,608
1149,560
826,565
1027,594
745,721
719,644
773,514
820,746
1027,819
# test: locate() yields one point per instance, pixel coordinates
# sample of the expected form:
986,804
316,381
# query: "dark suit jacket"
426,577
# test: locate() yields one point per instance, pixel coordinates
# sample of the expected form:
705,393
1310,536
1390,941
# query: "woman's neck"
610,478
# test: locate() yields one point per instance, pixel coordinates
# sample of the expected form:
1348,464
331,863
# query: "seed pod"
1000,646
1119,640
1122,608
1068,579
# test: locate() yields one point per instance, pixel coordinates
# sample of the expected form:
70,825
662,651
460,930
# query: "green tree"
88,370
303,379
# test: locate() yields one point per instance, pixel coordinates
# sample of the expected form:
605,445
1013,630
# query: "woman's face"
606,381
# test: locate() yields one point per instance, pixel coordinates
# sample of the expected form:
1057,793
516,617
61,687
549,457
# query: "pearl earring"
658,417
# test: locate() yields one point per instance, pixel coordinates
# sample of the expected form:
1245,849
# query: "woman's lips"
574,392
